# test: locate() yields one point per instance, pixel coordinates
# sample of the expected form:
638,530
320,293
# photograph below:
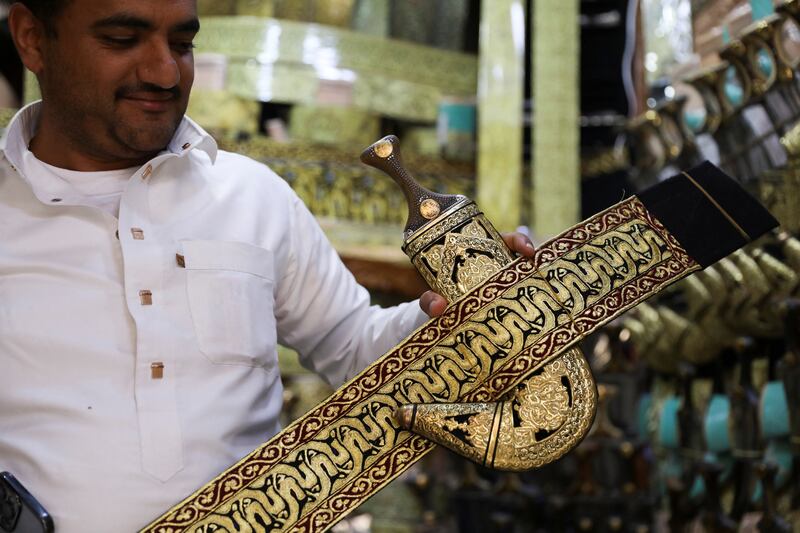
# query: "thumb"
432,304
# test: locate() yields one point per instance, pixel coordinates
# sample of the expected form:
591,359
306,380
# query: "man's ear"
28,33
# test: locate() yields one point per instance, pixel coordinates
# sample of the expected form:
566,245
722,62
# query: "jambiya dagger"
498,377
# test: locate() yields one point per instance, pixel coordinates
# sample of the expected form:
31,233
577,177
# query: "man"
146,277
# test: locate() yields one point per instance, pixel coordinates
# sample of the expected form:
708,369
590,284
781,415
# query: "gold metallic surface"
757,50
550,412
405,416
782,278
546,417
429,209
791,248
779,191
706,81
740,295
791,141
736,71
494,339
383,149
649,335
460,259
605,161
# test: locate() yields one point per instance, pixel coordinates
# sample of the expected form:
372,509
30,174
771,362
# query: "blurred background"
546,112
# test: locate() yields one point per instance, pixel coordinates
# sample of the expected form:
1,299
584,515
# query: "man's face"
117,76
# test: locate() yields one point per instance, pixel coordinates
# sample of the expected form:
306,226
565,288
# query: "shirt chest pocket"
230,291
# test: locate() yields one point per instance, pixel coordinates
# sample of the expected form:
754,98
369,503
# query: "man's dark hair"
47,11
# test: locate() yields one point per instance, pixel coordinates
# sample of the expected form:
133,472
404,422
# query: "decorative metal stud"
146,297
157,370
429,208
384,149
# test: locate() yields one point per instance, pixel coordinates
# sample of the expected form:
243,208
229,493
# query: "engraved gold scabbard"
455,249
496,376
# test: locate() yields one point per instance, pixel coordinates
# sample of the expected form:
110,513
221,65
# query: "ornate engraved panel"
462,257
546,417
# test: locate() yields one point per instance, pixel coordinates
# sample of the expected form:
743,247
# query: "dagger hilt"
449,241
423,205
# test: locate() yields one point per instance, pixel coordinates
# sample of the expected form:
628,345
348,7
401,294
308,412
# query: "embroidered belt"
497,377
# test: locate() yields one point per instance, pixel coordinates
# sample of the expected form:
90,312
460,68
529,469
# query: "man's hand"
434,304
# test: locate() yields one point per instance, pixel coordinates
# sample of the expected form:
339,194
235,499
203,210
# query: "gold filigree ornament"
466,257
545,418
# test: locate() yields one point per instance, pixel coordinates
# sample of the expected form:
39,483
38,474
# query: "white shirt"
102,190
85,423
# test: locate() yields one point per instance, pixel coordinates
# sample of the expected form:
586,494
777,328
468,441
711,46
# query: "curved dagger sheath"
502,348
455,248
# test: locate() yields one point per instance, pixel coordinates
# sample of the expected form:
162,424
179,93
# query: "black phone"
19,510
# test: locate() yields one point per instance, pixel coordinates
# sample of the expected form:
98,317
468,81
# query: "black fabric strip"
699,225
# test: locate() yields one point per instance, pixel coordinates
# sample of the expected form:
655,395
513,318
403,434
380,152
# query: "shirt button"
147,171
157,370
146,297
186,146
138,234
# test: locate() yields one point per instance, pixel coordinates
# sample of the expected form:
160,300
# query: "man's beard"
144,139
151,137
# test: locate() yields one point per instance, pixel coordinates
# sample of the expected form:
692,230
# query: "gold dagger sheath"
455,248
497,376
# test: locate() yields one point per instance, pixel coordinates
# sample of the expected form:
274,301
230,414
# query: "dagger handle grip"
423,205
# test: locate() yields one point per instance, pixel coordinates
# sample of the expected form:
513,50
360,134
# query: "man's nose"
159,67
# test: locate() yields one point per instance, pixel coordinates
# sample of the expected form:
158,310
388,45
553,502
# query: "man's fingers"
432,304
520,243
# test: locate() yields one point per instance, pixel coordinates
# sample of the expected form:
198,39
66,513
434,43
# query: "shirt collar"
22,127
190,135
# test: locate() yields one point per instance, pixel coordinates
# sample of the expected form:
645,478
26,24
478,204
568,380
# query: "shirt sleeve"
324,314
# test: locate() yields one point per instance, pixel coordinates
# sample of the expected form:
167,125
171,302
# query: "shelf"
284,61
